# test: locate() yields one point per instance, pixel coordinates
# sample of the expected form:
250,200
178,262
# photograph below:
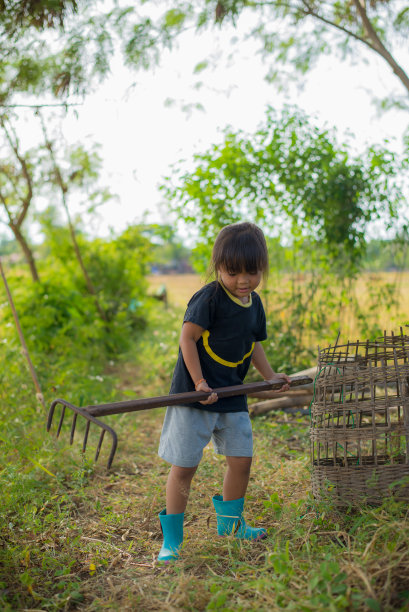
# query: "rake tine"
84,444
61,421
51,414
74,422
101,438
113,446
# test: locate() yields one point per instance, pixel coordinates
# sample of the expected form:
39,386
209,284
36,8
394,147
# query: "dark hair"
240,246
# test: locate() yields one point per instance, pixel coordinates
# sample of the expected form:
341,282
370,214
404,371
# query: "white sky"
141,136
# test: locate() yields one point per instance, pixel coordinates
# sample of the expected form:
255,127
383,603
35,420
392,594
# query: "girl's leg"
178,488
236,478
229,507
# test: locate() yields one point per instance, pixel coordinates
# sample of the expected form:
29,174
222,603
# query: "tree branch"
35,106
378,45
4,202
21,240
374,43
27,199
9,176
309,12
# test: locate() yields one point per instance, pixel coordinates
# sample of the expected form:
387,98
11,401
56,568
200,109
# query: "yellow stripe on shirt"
229,364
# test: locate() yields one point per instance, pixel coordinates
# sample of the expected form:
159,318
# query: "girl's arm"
260,362
188,338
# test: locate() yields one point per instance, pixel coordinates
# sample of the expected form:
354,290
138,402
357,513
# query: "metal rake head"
90,419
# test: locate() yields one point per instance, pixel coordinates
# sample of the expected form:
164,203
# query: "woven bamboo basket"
360,421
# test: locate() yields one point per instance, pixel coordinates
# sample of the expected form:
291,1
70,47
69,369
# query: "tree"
67,59
316,202
27,176
291,32
290,174
17,190
82,166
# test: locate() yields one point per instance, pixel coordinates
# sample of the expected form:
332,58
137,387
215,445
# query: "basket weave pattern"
360,421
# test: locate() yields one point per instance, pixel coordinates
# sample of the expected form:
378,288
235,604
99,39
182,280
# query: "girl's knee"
239,464
183,473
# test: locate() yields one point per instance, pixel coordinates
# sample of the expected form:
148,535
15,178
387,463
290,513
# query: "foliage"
289,174
293,36
28,177
316,203
58,314
72,60
61,62
16,16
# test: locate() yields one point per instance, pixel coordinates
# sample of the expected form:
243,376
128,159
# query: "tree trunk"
28,254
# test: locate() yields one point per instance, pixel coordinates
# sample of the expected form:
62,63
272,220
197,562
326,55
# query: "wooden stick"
39,393
280,403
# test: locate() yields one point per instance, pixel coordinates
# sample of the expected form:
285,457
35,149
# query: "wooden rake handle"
189,397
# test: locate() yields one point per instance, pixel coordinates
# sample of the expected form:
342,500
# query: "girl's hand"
281,377
203,386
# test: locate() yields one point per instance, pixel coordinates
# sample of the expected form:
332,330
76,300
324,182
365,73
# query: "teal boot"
230,520
172,529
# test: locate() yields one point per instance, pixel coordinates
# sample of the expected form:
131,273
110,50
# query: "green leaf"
373,604
174,17
201,66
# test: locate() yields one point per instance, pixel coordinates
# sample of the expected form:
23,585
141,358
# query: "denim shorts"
186,431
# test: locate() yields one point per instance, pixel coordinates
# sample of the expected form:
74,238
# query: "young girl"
222,329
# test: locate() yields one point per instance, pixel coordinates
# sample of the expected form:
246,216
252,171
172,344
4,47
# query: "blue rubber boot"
230,520
172,529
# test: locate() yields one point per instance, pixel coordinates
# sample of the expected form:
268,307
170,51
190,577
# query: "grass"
76,537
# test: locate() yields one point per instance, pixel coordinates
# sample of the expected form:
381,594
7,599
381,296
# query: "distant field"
181,287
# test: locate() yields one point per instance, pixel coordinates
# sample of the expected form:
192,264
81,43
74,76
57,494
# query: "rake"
90,413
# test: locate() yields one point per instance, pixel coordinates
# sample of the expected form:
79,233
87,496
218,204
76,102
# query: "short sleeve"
200,308
261,333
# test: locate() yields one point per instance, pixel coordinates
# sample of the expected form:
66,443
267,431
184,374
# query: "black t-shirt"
225,347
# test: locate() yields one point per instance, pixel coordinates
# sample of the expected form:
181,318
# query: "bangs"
241,250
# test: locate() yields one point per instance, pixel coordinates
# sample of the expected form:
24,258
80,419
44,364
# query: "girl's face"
240,284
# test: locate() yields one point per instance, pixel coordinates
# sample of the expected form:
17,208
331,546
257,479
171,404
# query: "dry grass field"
372,292
180,287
